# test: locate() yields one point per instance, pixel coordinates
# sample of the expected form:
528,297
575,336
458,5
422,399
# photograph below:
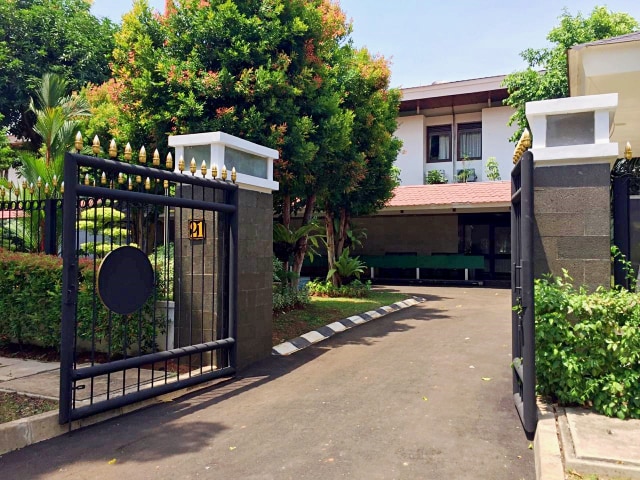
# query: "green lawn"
324,310
14,406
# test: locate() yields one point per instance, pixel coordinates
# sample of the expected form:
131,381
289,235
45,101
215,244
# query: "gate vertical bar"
516,178
528,320
233,278
621,234
50,212
69,288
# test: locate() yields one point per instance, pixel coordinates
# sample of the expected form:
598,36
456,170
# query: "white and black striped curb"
322,333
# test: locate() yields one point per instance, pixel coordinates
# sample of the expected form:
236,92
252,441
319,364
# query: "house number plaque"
196,230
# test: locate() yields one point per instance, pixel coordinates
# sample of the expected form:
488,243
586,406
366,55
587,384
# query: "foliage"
627,267
7,156
345,267
492,169
546,74
285,239
354,289
163,262
288,298
435,177
588,346
280,73
464,175
30,300
39,36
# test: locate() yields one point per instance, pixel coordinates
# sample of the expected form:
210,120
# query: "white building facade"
454,128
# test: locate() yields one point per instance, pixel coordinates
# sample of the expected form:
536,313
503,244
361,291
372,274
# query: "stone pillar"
253,170
572,163
255,276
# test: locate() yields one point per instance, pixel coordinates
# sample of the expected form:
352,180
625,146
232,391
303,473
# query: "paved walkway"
423,393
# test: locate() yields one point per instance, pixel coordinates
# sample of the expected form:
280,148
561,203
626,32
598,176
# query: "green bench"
443,262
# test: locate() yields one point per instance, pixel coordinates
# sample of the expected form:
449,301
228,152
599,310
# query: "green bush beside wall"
588,346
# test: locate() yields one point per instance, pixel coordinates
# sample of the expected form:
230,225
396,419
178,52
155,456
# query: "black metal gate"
625,179
522,315
133,326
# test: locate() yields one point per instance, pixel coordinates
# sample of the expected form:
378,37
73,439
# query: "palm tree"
57,117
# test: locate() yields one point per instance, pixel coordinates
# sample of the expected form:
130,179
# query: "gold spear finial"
169,162
39,182
120,178
78,142
103,178
223,175
526,138
203,168
628,154
138,179
156,158
214,170
95,148
165,184
147,184
127,152
46,188
192,166
233,174
62,187
130,184
54,180
142,156
113,148
86,179
181,164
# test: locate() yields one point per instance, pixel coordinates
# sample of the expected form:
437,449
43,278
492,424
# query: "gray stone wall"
572,222
422,234
199,305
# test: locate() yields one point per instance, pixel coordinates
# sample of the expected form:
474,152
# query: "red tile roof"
470,194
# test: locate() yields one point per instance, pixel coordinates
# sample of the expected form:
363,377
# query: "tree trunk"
286,221
301,245
331,245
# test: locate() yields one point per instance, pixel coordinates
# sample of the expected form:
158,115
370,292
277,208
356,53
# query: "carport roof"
454,195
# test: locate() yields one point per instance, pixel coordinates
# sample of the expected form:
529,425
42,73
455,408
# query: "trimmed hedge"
30,304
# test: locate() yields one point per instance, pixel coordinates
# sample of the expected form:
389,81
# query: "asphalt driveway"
424,393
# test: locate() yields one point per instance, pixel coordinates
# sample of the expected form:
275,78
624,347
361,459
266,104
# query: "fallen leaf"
486,379
471,366
519,456
232,448
112,461
425,398
530,446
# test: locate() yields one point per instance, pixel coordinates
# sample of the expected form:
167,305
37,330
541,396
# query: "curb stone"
546,445
299,343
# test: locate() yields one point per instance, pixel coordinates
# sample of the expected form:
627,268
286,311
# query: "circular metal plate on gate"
125,280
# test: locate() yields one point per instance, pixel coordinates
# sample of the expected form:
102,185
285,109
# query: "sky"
443,40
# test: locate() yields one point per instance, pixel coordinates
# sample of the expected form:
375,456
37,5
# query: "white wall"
495,139
411,130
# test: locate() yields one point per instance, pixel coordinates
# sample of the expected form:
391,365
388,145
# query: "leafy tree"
7,155
546,74
361,179
261,70
40,36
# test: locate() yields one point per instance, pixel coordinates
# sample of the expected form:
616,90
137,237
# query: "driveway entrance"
424,393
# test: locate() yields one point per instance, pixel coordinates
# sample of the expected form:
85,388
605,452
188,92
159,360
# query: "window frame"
471,127
438,130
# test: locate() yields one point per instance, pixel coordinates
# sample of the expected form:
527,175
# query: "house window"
470,141
439,144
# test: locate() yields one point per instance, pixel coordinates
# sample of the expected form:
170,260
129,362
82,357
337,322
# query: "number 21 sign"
196,230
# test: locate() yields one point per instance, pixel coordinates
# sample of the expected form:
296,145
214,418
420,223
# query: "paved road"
401,397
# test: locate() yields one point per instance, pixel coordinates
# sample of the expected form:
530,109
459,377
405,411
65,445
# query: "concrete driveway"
424,393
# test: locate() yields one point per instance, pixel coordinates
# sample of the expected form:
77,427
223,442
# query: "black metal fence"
625,189
133,325
31,218
522,294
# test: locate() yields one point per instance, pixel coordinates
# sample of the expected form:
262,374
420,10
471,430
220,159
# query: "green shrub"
435,177
287,298
588,346
355,289
30,302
